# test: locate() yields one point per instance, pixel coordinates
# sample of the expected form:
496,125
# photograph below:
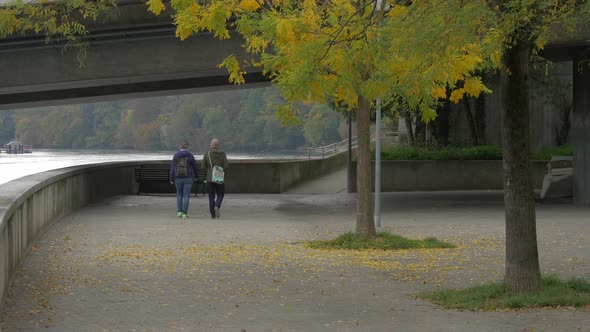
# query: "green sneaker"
179,214
184,216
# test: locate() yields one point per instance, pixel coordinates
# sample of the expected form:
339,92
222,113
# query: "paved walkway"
127,264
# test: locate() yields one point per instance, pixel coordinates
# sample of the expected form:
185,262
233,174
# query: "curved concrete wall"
28,205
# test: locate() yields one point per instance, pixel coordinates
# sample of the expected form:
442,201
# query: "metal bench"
146,175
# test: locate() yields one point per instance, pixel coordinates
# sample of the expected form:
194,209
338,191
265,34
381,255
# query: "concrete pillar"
581,130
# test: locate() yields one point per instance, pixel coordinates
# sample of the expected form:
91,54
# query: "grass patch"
383,241
555,293
484,152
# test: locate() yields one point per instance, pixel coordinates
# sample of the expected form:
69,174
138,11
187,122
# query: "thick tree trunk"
364,207
522,258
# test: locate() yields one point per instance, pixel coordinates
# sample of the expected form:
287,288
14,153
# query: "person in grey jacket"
215,163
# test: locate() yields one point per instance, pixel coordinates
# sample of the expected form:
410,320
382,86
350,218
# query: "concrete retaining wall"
263,176
431,175
296,172
277,176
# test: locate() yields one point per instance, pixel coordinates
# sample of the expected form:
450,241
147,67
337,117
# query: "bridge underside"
116,65
118,91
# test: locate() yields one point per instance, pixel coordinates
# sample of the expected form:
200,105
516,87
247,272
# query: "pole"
382,7
349,167
377,212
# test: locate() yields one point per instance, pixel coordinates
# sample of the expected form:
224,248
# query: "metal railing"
338,147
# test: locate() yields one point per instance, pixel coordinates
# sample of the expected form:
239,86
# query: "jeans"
215,189
183,193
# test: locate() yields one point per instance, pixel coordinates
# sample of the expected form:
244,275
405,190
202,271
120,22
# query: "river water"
14,166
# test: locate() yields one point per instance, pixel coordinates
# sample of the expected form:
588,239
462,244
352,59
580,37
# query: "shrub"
488,152
546,153
483,152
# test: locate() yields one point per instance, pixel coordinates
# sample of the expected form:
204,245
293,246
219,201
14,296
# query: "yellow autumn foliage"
418,52
54,19
156,6
232,64
428,114
439,92
457,95
474,86
249,5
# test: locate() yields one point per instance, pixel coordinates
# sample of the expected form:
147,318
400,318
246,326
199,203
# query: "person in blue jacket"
182,172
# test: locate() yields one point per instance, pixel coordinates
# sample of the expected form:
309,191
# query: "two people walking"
184,169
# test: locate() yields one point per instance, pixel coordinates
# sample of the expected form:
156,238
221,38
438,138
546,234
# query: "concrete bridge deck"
127,264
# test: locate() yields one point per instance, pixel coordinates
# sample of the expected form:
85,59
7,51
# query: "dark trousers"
215,189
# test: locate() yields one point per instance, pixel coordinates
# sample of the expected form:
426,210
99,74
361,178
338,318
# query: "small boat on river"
16,147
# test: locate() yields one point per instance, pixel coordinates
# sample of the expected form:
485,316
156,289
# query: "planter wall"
433,175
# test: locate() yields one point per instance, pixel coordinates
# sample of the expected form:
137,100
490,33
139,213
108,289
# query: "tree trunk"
471,122
522,258
480,118
420,131
441,125
409,127
364,207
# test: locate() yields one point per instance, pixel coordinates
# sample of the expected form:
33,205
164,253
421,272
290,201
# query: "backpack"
181,167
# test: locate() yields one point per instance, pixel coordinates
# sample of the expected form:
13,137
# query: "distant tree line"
245,120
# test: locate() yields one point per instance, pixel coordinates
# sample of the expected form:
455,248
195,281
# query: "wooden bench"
152,174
